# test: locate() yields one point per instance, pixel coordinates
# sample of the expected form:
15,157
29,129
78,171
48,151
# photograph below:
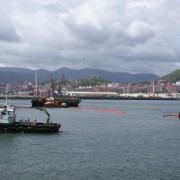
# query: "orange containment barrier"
99,109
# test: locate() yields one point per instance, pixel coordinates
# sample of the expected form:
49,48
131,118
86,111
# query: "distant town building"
178,83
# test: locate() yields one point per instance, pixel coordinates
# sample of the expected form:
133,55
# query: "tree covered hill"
172,77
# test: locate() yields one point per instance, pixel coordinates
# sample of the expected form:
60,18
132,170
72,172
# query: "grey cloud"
8,34
139,31
89,34
7,30
113,35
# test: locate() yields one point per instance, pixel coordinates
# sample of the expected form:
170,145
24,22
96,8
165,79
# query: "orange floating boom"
99,109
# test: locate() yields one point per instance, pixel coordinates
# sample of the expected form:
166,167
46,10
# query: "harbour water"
137,145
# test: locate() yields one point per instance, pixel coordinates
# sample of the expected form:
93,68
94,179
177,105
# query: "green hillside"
172,77
87,81
90,81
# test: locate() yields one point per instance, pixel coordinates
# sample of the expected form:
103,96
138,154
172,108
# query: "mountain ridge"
23,74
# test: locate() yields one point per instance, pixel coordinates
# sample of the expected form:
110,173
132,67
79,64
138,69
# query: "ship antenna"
37,87
52,88
6,92
60,85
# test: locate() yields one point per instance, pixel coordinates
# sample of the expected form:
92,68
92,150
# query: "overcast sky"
133,36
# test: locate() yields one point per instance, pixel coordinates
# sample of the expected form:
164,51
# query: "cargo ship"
53,100
60,102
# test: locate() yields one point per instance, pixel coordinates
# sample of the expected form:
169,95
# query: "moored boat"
8,122
57,102
25,128
51,100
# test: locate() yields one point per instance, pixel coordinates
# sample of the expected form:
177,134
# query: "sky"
135,36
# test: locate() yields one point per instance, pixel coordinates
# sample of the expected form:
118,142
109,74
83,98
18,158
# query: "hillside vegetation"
172,77
92,81
87,81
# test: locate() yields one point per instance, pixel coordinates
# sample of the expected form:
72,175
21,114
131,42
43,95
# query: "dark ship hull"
70,102
30,128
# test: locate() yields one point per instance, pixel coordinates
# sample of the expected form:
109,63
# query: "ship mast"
6,92
52,88
60,85
37,86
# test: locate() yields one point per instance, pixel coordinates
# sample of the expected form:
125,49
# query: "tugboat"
8,122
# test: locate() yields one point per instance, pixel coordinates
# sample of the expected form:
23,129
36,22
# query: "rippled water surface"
92,144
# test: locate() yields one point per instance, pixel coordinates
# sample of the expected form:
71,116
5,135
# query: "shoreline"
92,97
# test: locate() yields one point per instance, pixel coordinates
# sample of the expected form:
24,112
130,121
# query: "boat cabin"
7,114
